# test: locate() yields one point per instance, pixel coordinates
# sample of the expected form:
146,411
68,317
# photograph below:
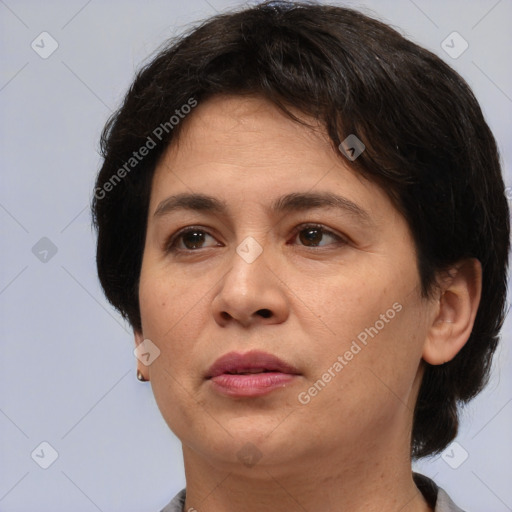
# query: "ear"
457,306
139,338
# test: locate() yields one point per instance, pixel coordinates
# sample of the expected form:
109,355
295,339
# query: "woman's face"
292,254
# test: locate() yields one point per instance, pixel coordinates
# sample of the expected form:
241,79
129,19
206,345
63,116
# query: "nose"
250,293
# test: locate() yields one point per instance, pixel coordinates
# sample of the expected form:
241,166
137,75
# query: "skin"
348,448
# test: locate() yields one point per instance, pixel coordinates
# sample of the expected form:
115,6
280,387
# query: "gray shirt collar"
434,495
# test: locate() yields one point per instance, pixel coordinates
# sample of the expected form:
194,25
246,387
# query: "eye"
313,235
190,239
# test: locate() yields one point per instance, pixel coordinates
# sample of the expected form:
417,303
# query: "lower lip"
256,384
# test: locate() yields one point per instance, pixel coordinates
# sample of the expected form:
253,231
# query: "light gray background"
67,372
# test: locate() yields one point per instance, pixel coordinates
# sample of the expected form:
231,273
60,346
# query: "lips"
250,375
253,362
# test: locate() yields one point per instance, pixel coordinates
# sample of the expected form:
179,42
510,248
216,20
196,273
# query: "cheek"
169,306
345,306
172,320
374,367
373,349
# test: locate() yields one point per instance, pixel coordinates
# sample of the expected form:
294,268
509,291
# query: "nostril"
265,313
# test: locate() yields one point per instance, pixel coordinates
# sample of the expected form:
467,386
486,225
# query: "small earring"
140,376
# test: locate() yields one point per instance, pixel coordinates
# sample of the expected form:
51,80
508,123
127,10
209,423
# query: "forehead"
244,148
225,127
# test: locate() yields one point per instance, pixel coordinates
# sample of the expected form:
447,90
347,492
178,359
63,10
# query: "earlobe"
456,311
141,369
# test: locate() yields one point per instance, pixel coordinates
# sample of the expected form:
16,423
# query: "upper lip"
235,362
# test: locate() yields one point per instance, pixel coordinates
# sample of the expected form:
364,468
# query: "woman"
302,216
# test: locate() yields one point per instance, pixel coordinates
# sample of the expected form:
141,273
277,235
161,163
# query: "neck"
323,482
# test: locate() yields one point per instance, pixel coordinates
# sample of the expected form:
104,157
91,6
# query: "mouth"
251,374
249,363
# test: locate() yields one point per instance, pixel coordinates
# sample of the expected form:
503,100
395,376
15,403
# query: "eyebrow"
196,202
294,202
301,201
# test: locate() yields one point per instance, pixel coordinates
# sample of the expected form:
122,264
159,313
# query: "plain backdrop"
67,370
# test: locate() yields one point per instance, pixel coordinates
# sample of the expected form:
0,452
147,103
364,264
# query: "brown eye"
315,236
311,236
191,239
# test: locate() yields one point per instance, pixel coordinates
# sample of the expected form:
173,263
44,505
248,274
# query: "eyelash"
170,245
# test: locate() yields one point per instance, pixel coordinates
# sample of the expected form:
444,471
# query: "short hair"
427,146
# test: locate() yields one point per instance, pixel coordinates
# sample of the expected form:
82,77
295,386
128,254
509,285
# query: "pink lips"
251,374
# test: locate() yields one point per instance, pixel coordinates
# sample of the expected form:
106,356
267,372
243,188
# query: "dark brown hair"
427,145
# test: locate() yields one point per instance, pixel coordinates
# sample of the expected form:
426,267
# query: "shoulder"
435,496
177,503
